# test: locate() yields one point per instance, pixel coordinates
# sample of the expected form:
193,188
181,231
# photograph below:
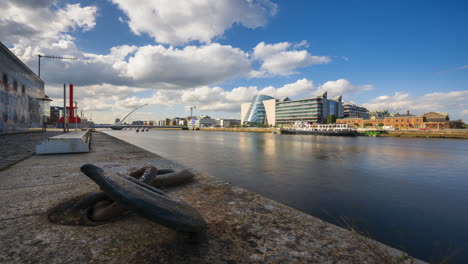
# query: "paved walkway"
17,147
243,227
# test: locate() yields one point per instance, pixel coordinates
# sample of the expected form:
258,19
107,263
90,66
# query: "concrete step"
72,142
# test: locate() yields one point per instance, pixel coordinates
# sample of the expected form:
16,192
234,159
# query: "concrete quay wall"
447,133
241,129
243,227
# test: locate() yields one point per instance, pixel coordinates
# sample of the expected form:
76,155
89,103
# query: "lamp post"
64,86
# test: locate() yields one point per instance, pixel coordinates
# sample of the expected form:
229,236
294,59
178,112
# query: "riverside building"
23,104
227,122
254,112
431,120
285,112
352,110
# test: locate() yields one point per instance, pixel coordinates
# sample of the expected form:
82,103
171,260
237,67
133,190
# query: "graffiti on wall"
18,111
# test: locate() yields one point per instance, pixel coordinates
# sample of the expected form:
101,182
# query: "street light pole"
64,107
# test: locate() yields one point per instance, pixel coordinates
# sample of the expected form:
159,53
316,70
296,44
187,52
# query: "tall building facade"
307,110
23,104
254,112
352,110
285,112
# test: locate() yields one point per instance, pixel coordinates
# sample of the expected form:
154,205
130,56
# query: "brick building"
431,120
397,122
443,125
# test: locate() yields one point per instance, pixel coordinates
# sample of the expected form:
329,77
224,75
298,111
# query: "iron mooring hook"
122,195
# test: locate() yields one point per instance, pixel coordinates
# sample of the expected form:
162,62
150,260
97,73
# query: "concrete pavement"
243,227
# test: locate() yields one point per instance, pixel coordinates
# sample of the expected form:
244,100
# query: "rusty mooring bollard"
122,195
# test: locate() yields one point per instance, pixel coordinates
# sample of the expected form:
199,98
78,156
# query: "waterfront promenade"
17,147
243,227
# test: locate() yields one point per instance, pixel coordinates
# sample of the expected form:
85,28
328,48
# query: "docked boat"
321,129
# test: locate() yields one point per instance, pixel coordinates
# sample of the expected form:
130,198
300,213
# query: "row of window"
382,121
285,104
15,84
304,115
407,120
283,109
299,110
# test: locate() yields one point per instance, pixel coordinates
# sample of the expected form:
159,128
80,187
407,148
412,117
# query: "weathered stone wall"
19,90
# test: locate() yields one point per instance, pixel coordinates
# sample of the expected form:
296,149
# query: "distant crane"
51,57
191,111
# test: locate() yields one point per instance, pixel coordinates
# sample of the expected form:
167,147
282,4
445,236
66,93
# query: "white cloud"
188,67
179,22
104,97
289,90
216,98
452,102
147,66
280,59
44,27
342,87
35,24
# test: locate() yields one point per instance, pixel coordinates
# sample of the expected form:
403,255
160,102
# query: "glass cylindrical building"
256,113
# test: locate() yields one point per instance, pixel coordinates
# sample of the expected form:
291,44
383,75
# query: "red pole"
71,102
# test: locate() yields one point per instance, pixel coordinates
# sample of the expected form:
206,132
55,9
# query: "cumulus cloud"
44,27
88,69
188,67
342,87
100,97
283,58
147,66
34,23
179,22
289,90
216,98
451,102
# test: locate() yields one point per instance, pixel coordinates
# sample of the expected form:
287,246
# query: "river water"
411,194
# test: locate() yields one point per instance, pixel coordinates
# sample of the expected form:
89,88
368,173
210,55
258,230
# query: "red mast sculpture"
73,121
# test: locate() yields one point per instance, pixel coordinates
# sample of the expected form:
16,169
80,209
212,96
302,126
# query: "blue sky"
396,55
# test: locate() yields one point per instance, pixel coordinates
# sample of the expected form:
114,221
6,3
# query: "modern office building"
202,121
306,110
379,114
23,104
351,110
285,112
227,122
55,113
254,112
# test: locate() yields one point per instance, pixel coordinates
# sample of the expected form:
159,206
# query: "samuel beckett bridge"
121,126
